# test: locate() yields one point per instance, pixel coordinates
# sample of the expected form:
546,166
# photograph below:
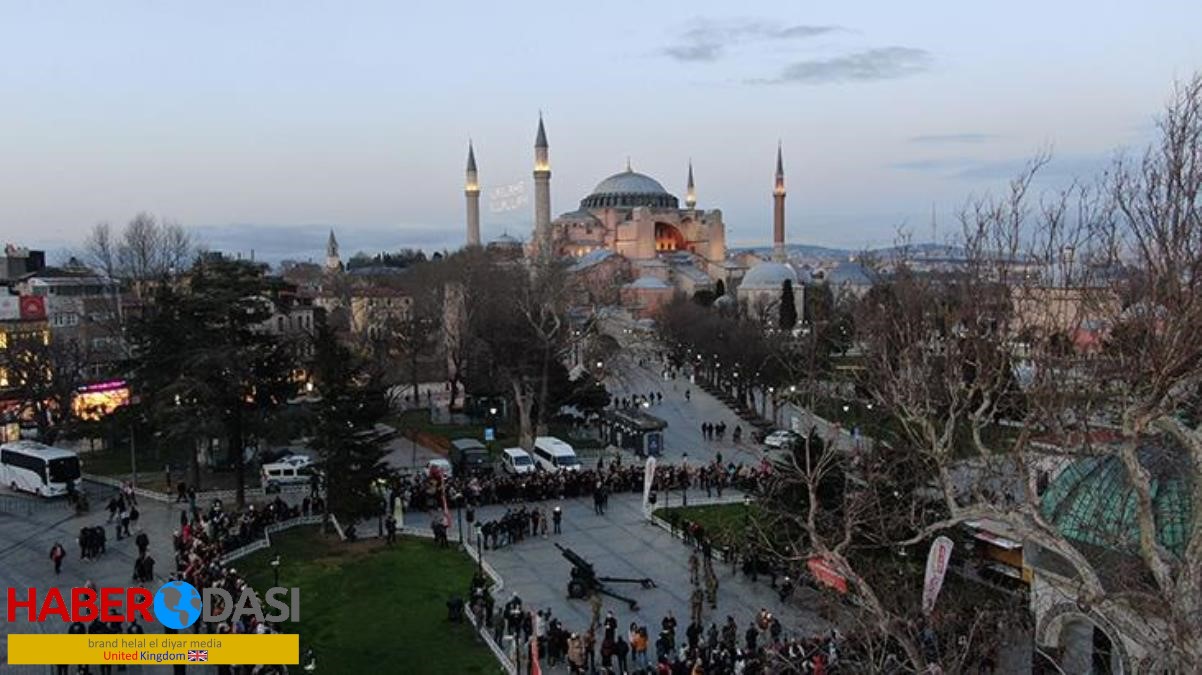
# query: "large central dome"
629,189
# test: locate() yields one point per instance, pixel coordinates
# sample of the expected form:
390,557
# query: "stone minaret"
778,210
542,192
333,262
690,197
471,190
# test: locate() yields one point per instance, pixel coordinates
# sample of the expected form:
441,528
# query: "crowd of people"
760,646
424,493
198,547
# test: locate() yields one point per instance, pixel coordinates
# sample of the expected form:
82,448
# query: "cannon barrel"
574,558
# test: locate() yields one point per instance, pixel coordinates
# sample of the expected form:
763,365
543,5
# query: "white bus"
32,467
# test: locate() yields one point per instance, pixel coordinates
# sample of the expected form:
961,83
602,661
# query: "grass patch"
371,608
726,523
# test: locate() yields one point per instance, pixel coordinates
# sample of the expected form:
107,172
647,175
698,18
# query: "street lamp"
684,482
479,547
275,570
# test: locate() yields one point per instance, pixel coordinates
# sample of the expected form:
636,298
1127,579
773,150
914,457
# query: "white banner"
10,307
648,480
937,560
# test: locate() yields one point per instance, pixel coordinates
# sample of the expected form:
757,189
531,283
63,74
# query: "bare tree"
1072,325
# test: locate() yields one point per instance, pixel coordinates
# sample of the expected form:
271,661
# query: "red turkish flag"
33,307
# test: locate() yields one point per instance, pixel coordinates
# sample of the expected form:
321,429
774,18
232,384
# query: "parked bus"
30,466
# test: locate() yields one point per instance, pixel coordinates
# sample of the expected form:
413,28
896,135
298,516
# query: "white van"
279,474
553,454
30,466
516,461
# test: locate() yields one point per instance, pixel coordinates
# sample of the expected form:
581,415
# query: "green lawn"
370,608
725,522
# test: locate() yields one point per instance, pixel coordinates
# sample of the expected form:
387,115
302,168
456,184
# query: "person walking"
557,519
142,541
57,553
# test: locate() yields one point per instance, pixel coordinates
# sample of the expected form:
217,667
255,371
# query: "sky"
261,124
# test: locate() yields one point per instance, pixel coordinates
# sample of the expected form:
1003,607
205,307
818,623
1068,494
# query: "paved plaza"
622,543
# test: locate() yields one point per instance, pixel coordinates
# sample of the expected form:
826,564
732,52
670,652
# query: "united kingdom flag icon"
198,655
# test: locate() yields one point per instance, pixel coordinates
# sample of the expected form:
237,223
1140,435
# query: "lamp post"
479,548
275,570
684,481
459,514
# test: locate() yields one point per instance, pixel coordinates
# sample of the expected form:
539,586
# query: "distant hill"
923,251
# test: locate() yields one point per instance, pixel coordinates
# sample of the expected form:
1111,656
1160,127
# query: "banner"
937,560
10,307
826,575
535,667
33,307
648,481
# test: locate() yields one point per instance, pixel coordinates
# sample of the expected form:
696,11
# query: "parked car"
516,461
781,439
441,466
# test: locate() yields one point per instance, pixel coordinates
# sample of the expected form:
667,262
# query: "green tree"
788,306
205,363
353,400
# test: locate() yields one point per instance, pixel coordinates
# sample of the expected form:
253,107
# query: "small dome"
629,189
505,240
1092,501
768,276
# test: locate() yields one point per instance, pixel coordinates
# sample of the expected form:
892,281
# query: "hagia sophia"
629,217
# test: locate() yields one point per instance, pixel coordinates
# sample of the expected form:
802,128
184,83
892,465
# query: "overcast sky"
263,123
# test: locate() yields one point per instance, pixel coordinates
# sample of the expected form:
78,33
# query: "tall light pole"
684,483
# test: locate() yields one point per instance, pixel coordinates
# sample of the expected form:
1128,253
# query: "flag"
937,559
198,655
648,481
535,667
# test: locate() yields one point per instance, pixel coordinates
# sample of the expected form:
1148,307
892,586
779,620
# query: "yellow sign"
183,649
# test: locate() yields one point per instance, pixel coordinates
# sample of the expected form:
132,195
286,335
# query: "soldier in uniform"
711,588
693,567
695,605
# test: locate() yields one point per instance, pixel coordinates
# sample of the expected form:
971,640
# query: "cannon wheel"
576,589
634,606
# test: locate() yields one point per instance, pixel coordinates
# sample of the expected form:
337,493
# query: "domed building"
628,213
1093,503
632,214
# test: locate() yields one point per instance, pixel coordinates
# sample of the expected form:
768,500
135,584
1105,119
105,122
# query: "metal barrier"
19,506
274,528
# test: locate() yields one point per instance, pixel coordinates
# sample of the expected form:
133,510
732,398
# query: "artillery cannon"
585,582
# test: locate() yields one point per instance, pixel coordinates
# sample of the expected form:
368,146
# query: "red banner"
33,307
826,575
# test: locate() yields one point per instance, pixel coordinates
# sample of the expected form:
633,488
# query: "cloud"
968,168
710,40
971,137
880,63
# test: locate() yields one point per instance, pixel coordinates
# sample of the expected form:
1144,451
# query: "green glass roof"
1093,502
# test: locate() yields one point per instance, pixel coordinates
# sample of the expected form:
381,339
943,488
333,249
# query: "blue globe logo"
177,605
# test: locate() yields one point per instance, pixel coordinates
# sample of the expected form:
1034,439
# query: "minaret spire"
471,191
333,262
542,192
778,209
690,198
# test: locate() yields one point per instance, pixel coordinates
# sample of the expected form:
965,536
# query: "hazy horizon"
261,126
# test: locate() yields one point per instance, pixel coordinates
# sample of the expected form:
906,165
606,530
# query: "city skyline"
292,118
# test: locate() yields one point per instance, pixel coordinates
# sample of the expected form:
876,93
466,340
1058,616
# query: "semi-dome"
629,189
768,275
1092,501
